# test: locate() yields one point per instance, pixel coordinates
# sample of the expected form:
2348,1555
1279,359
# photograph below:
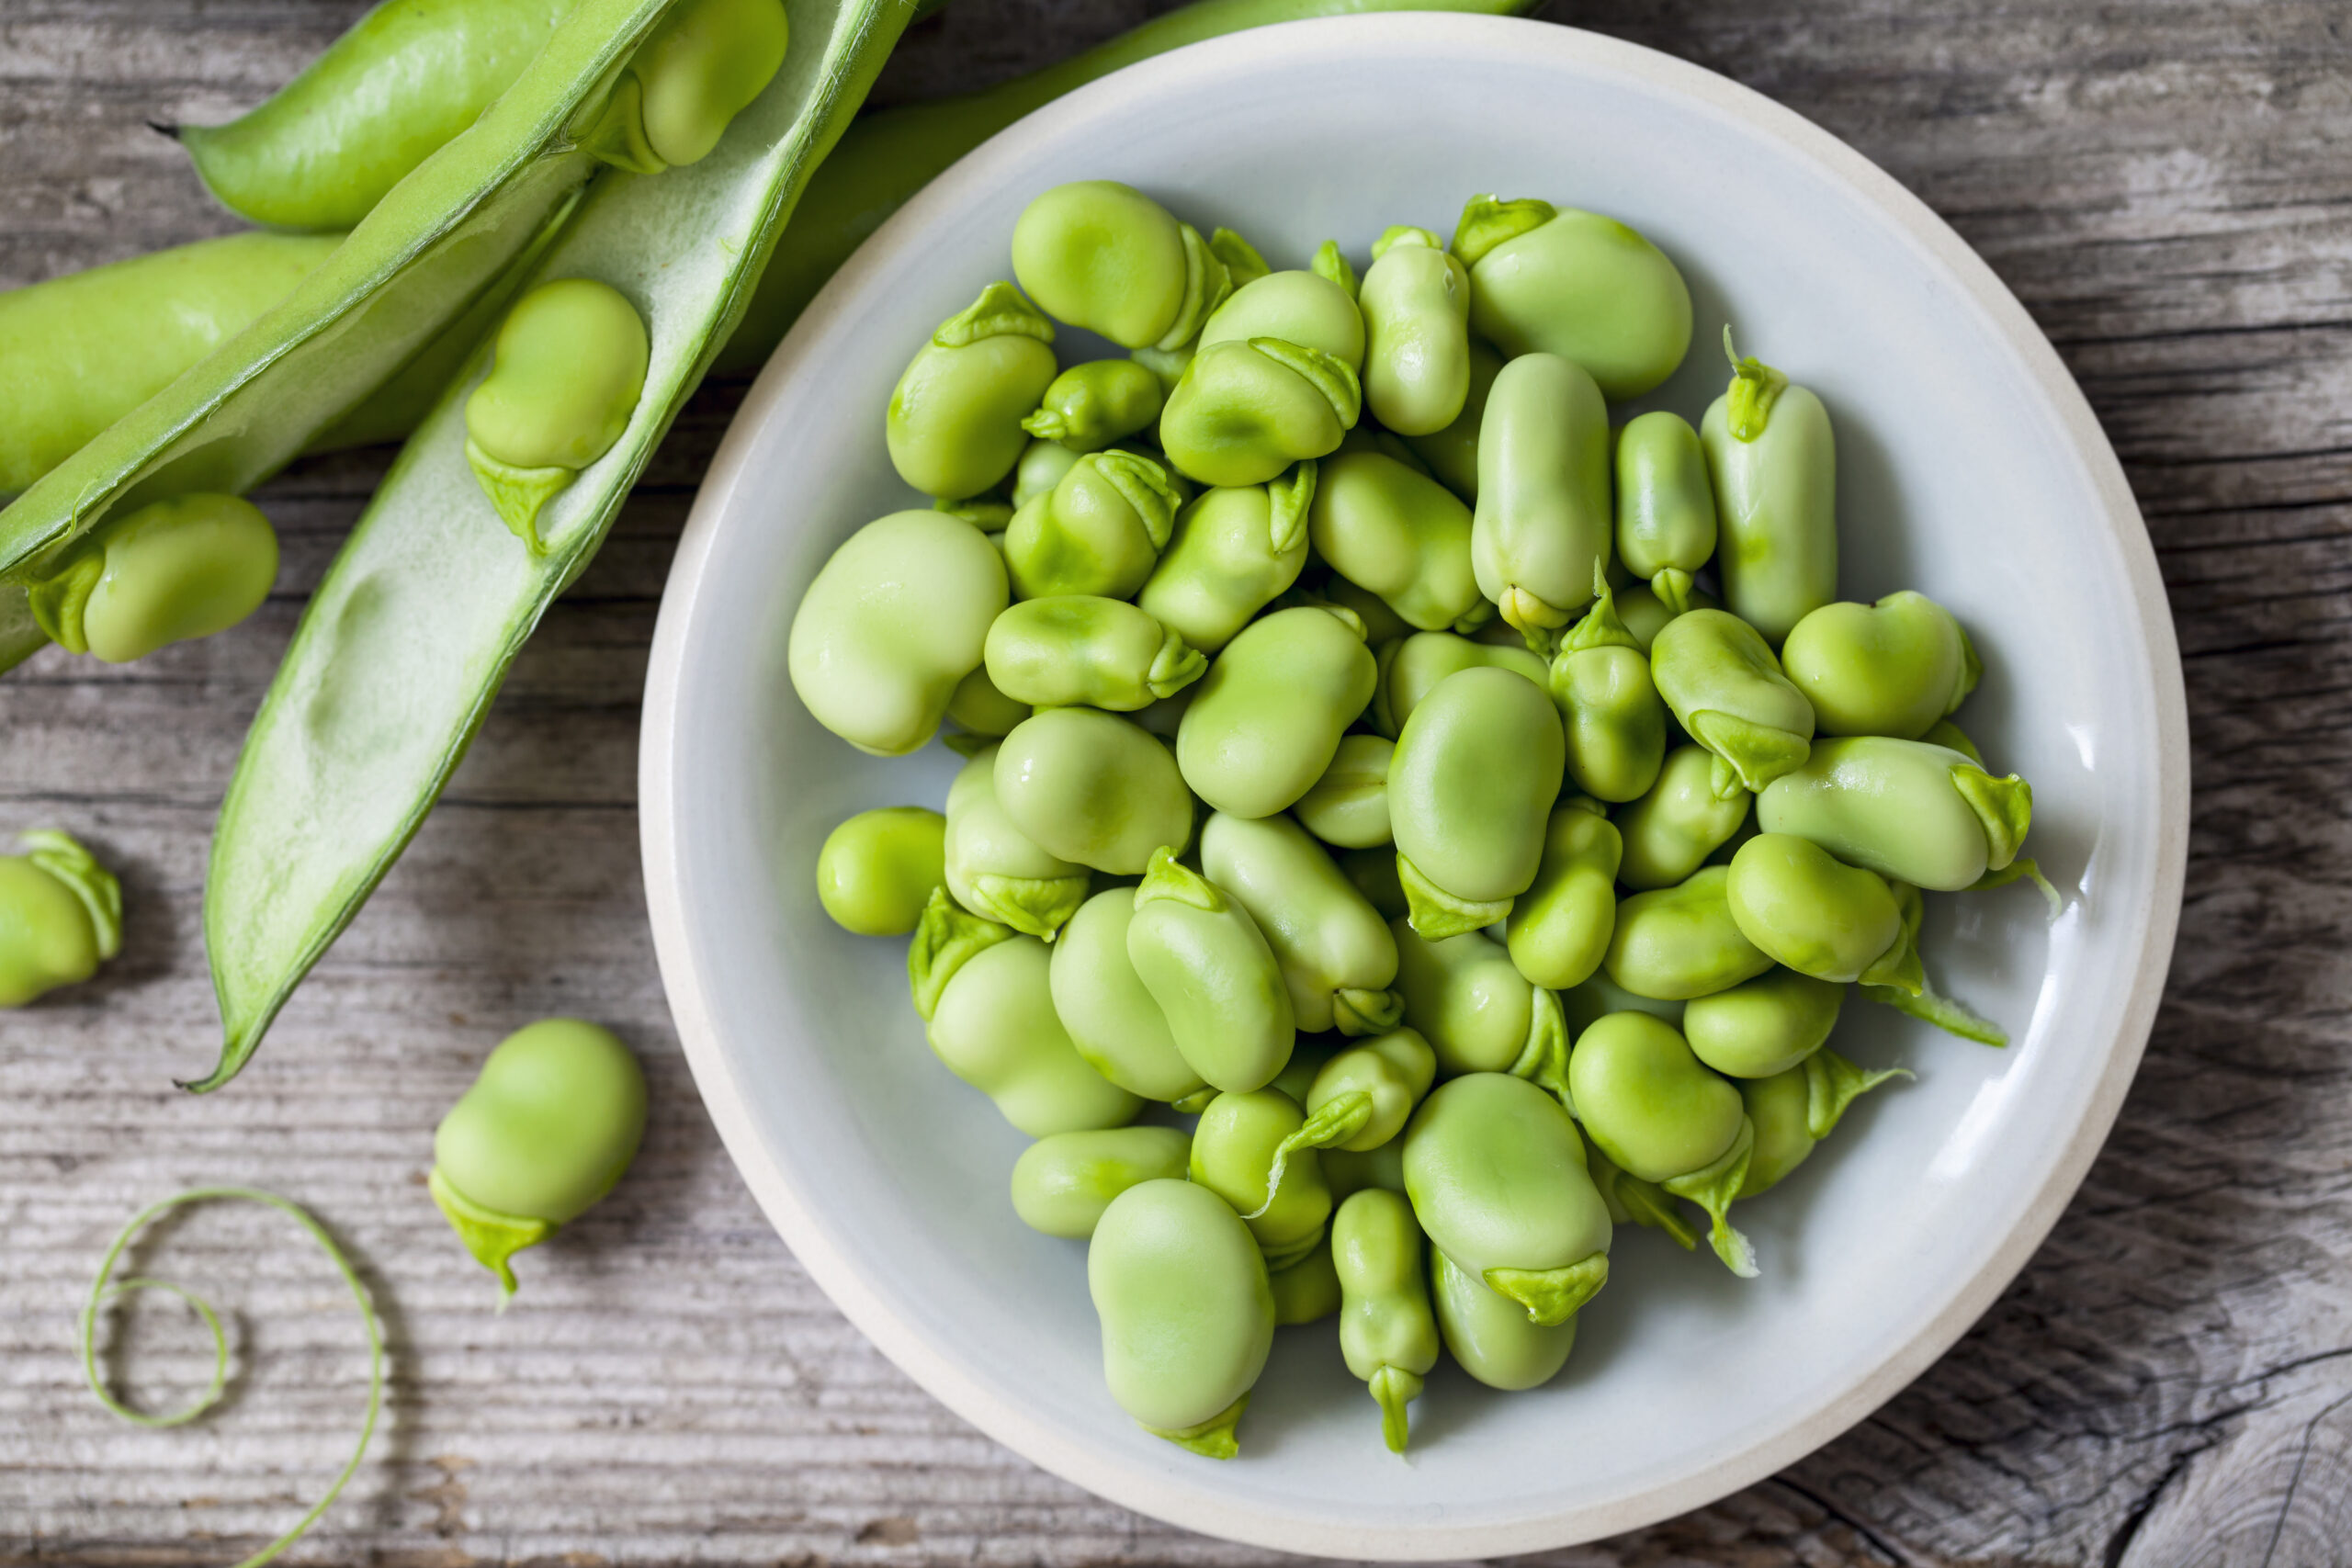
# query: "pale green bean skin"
1245,409
1216,978
1410,670
1350,1172
1062,1183
1452,453
954,426
1338,959
1893,668
1487,1334
1660,1116
1542,530
1304,307
1387,1329
1615,719
1381,621
1104,256
1727,692
1471,785
1083,649
566,373
1559,929
1089,406
1910,811
1374,871
1496,1173
171,571
61,916
1679,821
1232,551
1465,997
1099,531
1399,535
1372,1088
1762,1026
1093,788
1947,734
1270,711
1836,922
1773,461
1599,997
981,709
996,871
1577,284
1347,807
698,69
1286,1205
1041,467
876,869
1307,1291
1644,616
1666,504
892,625
1103,1004
1794,1109
1681,941
1416,301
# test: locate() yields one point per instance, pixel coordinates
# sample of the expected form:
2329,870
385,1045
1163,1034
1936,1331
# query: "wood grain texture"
2166,183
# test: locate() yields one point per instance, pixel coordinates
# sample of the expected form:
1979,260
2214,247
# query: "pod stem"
519,494
945,939
1673,586
1331,265
1212,1438
1601,626
1398,234
1002,311
1833,1083
1357,1011
1170,878
1327,373
493,1238
1754,753
1487,222
1143,485
1243,263
1208,283
1755,387
2023,868
1713,1187
1176,666
1543,1060
1552,1295
1032,905
1649,1205
1952,1017
63,856
1289,498
1436,914
1334,1121
1394,1388
2004,806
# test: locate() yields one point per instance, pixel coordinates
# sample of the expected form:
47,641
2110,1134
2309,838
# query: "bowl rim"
874,1315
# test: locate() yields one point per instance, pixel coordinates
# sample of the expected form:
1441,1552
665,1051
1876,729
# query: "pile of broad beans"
1474,812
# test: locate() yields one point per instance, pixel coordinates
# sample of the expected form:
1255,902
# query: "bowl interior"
1967,468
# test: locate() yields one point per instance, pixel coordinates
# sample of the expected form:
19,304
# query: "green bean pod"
953,427
1669,832
1304,307
1099,531
1399,535
1411,670
987,1002
1416,302
1452,454
1238,1153
1083,649
567,372
1307,1291
1216,978
897,618
1727,692
1763,1026
1110,1014
1232,551
1496,1173
1338,959
1488,1334
60,916
1089,406
1660,1116
1681,941
1387,1329
1247,409
1540,532
1666,505
1615,721
993,868
1834,923
687,82
1774,464
1893,668
1091,787
1587,288
1476,771
1268,719
1559,929
876,869
1795,1108
1477,1011
171,571
1106,257
1910,811
1063,1182
1347,807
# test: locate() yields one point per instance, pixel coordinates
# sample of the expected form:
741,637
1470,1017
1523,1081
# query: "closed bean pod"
1774,463
1476,771
1666,505
1489,1335
1763,1026
60,916
1669,832
1452,454
1477,1011
1077,649
1232,551
1099,531
1661,1116
1245,409
566,373
876,871
996,871
893,623
1110,1014
1727,692
1307,1291
1836,922
1410,670
1681,941
1104,256
1089,406
1387,1329
1238,1149
1401,536
1615,720
1893,668
1304,307
703,65
1559,929
1268,719
1586,288
1416,303
1540,532
1091,787
1062,1183
953,427
1908,810
1216,979
1347,807
170,571
1338,959
1793,1109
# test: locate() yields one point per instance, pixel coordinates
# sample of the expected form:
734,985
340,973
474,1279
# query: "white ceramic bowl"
1969,466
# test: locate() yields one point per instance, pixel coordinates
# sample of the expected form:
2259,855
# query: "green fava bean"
892,625
1666,505
1348,807
983,710
1542,530
1774,463
61,916
1601,996
1452,454
1587,288
1477,1011
1090,406
1496,1172
566,373
1416,303
1306,1059
1232,552
1062,1183
1764,1026
1041,467
1411,670
1893,668
1216,978
1307,1291
1947,734
1082,649
1373,873
1476,770
1559,929
1834,923
1681,941
1728,693
1272,709
1615,721
1387,1329
1238,1149
1337,957
1671,829
1099,531
1488,1334
171,571
693,74
1350,1172
547,1128
1661,1116
1793,1109
1188,1317
996,871
1361,1098
1381,622
1304,307
954,426
1106,257
1091,788
1399,535
1245,409
1910,811
1110,1015
876,870
987,1001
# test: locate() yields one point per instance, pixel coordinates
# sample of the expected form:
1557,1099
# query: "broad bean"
1452,454
1583,1005
1416,303
1078,649
1945,733
1307,1291
1893,668
996,871
1401,536
1476,771
1381,621
954,426
980,708
1727,692
1681,941
1106,257
566,373
1793,1109
1833,921
1091,787
1216,979
1587,288
1410,670
1477,1011
1669,832
1041,467
1338,959
1762,1026
1541,533
1373,873
1347,807
1774,463
1110,1015
1272,708
1908,810
1559,929
1063,1182
1099,531
1238,1153
1304,307
60,916
1666,505
171,571
1660,1116
1615,721
1387,1330
1089,406
1245,409
1350,1172
1232,551
1488,1334
876,871
700,67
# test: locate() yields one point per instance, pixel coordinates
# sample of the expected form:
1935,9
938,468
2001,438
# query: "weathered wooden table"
2167,183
